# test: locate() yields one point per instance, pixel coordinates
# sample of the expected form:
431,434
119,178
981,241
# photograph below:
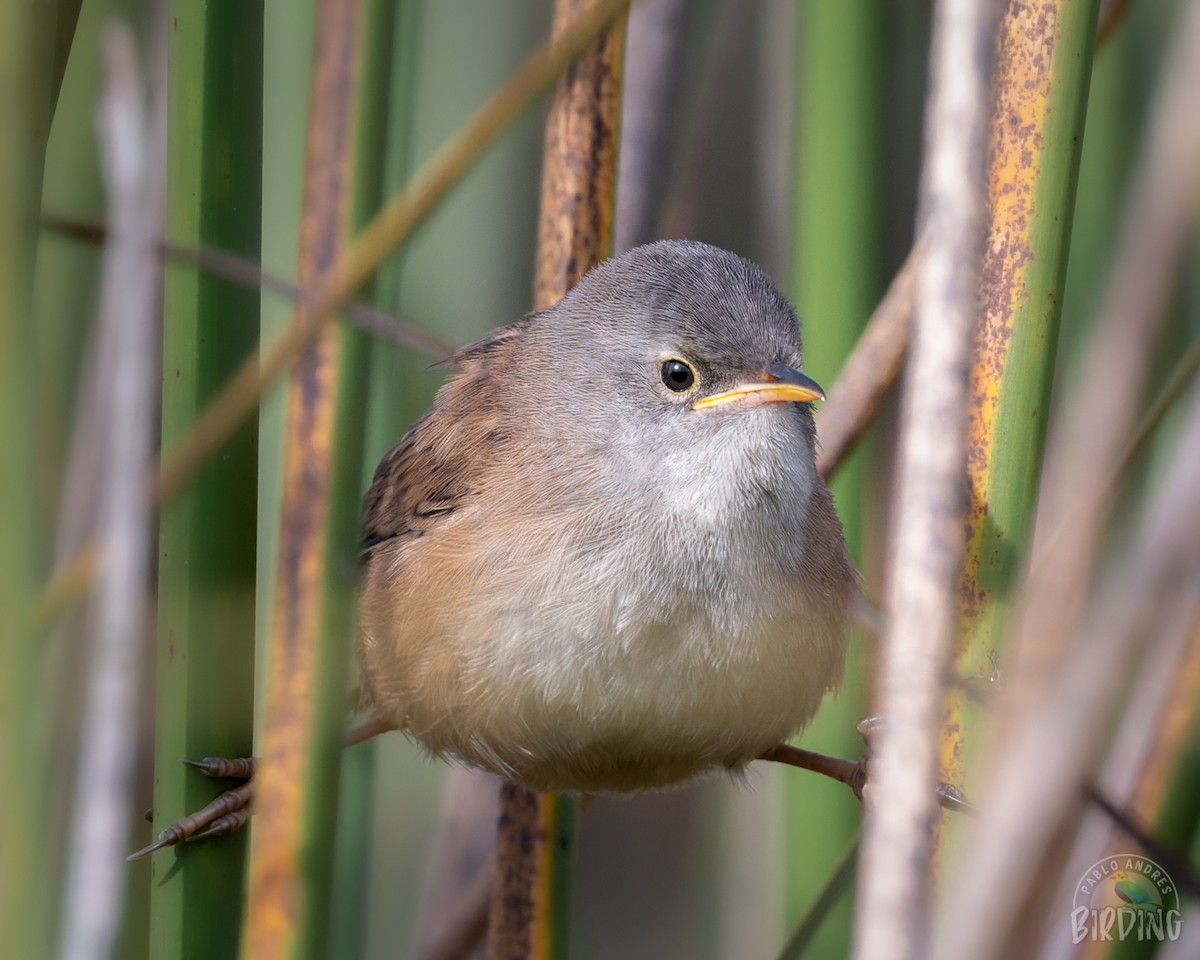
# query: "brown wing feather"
436,465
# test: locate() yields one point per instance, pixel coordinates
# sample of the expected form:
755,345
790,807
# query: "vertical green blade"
1042,74
26,887
836,271
206,544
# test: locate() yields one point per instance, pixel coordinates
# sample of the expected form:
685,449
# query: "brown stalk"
1112,12
279,907
869,371
575,232
1180,702
575,228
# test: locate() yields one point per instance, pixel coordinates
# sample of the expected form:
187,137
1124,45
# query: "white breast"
683,641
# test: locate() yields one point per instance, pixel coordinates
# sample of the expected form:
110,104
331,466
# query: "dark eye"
677,375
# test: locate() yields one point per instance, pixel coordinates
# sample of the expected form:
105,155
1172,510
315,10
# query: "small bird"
1132,892
604,560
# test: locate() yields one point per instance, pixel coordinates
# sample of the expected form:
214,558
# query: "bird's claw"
949,796
226,814
867,728
233,768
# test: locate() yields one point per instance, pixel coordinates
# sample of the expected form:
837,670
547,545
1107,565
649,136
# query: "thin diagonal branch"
869,371
249,273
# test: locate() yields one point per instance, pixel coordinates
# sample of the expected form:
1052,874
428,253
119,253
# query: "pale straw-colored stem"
892,913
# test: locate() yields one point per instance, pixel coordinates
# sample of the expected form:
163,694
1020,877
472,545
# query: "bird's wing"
440,463
414,485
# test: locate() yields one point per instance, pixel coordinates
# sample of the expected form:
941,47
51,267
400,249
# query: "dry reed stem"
1088,436
575,232
869,371
279,902
99,828
892,912
249,273
1064,679
1135,774
1044,747
1035,782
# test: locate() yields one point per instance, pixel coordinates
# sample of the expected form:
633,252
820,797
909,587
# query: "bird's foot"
226,814
849,772
230,811
949,796
856,774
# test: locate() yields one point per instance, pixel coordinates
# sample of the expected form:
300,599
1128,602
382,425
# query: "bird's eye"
677,375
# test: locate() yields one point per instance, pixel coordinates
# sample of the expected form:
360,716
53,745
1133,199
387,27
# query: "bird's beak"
780,384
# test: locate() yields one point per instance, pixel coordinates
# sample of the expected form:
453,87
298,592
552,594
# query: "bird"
604,560
1132,892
